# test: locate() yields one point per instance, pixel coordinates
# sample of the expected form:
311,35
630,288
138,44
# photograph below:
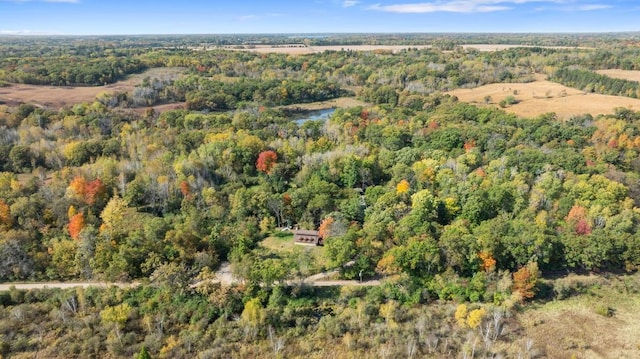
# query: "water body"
314,115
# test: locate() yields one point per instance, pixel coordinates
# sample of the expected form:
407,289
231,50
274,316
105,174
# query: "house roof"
305,232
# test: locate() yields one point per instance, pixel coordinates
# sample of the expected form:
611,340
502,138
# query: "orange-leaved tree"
5,214
525,280
76,225
324,229
77,186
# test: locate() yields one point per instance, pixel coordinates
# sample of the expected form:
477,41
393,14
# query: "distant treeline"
68,70
204,94
590,81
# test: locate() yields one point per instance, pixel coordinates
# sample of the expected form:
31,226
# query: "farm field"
58,96
621,74
298,49
542,96
499,47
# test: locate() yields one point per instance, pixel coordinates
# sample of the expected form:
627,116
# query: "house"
307,237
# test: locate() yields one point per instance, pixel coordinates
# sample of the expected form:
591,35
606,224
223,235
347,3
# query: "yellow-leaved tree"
461,315
474,319
402,187
5,215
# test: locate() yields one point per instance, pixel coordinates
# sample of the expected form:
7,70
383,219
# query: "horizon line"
6,33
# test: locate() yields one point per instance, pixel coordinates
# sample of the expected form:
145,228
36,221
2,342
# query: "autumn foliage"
524,281
185,189
94,190
77,186
402,187
266,161
88,192
5,214
577,218
323,231
76,225
488,263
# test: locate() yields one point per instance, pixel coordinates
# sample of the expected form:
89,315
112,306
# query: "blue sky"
100,17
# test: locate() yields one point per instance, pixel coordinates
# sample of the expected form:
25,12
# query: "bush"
605,311
573,285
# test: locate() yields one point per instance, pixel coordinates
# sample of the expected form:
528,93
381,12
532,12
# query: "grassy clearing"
601,322
282,242
341,102
621,74
541,96
57,96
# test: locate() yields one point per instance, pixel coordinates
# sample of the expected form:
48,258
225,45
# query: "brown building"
307,237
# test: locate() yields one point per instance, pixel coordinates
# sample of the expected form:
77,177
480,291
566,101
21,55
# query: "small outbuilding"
307,237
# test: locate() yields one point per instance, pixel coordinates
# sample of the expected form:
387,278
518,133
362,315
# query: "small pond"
314,115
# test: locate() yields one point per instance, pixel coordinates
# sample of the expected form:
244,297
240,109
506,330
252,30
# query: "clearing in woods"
542,96
282,242
600,322
621,74
59,96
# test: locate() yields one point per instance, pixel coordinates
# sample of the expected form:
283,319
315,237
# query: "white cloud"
251,17
49,1
350,3
593,7
472,6
27,32
449,6
247,17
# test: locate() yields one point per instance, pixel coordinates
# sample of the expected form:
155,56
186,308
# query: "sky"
122,17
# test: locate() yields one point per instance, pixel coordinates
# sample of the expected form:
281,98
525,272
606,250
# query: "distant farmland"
621,74
59,96
542,96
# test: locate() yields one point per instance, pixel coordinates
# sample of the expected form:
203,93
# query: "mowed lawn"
282,242
542,96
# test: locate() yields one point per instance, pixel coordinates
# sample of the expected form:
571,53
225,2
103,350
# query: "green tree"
143,353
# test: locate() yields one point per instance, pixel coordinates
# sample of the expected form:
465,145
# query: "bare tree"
277,343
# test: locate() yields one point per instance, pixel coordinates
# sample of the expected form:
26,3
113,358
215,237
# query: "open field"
58,96
542,96
499,47
601,323
299,49
621,74
341,102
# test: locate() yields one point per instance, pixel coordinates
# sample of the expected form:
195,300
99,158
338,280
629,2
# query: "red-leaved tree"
94,190
266,161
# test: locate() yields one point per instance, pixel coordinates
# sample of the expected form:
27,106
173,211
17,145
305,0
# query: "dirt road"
224,276
62,285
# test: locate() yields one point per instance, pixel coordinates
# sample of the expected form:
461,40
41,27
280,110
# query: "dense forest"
446,202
